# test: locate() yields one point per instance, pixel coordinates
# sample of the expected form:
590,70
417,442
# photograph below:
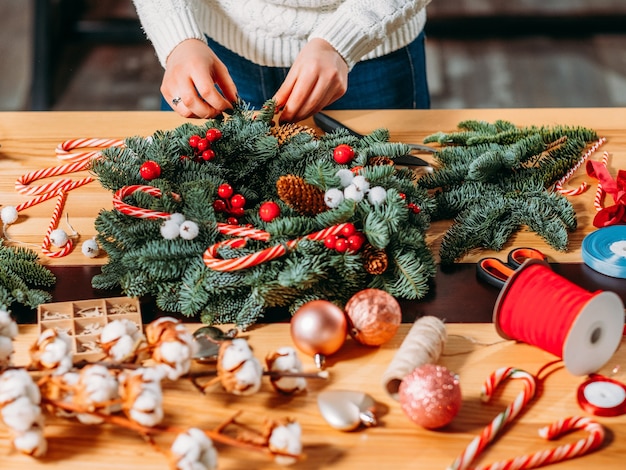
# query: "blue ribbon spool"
604,251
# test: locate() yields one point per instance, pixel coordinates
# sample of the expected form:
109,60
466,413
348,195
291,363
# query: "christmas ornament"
346,410
374,316
58,237
319,329
343,154
269,211
8,215
90,248
430,396
150,170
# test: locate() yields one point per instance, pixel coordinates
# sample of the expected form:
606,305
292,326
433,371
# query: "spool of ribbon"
616,188
539,307
604,251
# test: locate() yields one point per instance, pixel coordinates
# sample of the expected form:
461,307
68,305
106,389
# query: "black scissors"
329,124
496,272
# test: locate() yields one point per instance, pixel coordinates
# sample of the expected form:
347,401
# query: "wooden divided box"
83,321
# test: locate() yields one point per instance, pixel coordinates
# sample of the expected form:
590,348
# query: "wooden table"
473,351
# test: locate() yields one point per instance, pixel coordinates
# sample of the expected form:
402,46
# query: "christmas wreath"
229,218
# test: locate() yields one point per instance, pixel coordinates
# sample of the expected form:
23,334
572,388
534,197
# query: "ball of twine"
423,344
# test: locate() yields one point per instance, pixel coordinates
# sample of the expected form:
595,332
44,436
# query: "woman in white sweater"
306,54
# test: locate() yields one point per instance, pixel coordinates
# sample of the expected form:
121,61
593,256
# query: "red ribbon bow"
616,214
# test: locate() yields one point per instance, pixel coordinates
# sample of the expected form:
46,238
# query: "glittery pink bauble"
430,396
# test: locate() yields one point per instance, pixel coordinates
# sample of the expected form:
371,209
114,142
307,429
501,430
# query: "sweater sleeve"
357,27
167,23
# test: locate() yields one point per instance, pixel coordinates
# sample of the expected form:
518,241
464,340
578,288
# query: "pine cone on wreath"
379,161
284,132
300,195
375,260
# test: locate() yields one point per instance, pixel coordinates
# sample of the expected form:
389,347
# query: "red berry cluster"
229,203
202,145
348,239
411,205
150,170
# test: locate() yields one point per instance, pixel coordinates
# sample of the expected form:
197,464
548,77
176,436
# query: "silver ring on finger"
176,100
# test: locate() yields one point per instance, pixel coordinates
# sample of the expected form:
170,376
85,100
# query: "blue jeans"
395,81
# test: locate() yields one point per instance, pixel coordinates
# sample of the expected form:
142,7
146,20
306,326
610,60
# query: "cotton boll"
236,351
249,377
286,359
287,439
9,215
345,176
170,229
333,197
119,339
15,383
193,450
53,351
8,326
189,230
6,351
21,414
31,442
377,195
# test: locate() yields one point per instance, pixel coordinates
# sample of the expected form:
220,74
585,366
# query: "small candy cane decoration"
599,197
583,186
64,149
557,454
489,433
134,211
212,261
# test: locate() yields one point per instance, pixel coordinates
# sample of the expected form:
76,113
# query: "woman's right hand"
191,72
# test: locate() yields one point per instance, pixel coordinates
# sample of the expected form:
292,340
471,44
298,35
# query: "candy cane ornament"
478,444
583,446
599,197
583,186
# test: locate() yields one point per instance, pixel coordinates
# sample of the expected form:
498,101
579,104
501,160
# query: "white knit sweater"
272,32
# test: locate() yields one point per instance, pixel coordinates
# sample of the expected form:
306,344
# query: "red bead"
343,154
237,200
193,140
237,211
150,170
225,191
213,134
232,221
208,155
355,242
269,211
219,205
341,245
348,229
402,195
330,241
203,144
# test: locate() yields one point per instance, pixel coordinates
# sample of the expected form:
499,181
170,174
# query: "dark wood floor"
481,54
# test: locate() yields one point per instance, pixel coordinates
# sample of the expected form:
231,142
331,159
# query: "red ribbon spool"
541,308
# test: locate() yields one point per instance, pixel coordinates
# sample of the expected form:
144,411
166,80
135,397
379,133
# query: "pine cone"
300,195
375,260
284,132
379,161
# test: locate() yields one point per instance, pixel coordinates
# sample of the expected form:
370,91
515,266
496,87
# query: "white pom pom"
377,195
333,197
58,238
189,230
170,230
9,215
353,193
90,248
346,176
361,183
177,217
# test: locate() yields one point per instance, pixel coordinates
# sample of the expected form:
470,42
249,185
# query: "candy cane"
583,186
556,454
212,261
56,214
489,433
134,211
599,197
63,150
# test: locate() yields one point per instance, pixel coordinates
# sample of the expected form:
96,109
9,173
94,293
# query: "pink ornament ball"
430,396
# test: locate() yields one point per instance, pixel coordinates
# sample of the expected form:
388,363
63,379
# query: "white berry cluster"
355,188
176,226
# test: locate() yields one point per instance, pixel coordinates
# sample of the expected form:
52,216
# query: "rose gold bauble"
374,315
430,396
319,327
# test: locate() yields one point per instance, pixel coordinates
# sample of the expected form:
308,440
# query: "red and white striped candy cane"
54,221
557,454
64,149
134,211
212,261
583,186
599,197
478,444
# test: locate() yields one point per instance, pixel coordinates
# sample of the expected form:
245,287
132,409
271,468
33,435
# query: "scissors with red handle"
495,272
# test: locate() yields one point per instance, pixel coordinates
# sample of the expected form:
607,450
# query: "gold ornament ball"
319,327
375,316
